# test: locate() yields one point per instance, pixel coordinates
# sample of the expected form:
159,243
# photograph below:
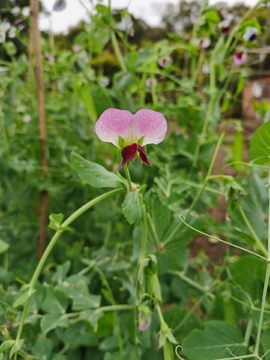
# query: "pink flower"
131,132
150,82
144,323
203,43
49,58
164,61
240,58
76,47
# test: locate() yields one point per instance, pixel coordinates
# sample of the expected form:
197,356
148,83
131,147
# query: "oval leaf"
94,174
260,144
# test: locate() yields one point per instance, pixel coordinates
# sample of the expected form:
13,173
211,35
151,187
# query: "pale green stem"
198,303
5,262
257,240
153,91
171,237
128,176
266,283
238,357
5,140
198,69
144,231
187,280
152,231
116,308
111,298
53,242
161,318
210,109
248,331
118,52
223,241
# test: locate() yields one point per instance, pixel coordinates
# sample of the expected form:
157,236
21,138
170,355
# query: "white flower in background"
251,34
26,119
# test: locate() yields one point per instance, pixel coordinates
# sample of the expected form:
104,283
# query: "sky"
148,10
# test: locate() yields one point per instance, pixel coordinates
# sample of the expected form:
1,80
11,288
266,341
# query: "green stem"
118,52
116,308
5,140
223,241
53,242
210,109
172,235
5,262
128,176
116,319
255,237
265,288
152,231
248,332
144,231
266,282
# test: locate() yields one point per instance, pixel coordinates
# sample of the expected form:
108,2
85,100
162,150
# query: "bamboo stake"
42,122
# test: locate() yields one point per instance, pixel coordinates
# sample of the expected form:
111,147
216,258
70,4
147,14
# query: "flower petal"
113,123
128,153
142,155
240,58
151,125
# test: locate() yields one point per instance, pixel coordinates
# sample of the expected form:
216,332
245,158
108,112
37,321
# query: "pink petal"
114,123
142,155
128,153
144,325
240,58
151,125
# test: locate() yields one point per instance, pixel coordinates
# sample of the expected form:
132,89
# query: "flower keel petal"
128,153
142,155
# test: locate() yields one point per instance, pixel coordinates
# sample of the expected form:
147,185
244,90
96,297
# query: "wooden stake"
42,122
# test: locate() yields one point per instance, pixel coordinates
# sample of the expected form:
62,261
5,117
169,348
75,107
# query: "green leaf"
260,144
6,345
3,246
91,316
22,299
55,221
88,102
249,272
51,321
212,16
211,343
131,208
94,174
56,300
266,342
16,347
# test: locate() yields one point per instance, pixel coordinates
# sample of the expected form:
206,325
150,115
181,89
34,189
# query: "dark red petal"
128,153
142,155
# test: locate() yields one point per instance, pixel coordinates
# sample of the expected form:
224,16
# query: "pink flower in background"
164,61
151,82
144,324
131,132
203,43
49,59
76,48
240,58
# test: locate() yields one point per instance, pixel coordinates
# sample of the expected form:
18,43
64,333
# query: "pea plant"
130,274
